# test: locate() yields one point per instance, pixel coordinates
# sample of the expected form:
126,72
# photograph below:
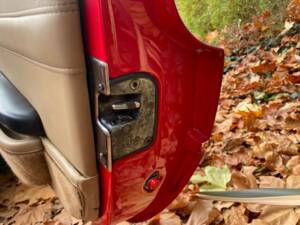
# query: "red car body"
148,36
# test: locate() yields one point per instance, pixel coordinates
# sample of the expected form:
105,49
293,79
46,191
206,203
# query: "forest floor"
255,142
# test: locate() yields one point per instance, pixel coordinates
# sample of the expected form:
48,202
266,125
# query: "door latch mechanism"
126,111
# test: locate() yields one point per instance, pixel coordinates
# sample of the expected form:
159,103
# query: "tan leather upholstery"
77,193
41,53
25,156
18,144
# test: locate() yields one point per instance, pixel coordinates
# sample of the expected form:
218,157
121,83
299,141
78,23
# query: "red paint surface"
148,36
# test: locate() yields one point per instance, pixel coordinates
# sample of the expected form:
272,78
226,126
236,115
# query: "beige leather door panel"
41,53
42,26
78,193
61,100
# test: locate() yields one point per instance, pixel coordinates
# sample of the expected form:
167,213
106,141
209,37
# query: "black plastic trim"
16,113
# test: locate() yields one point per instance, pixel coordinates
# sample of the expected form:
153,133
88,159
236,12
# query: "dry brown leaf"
261,150
286,146
259,222
52,223
255,208
225,126
295,77
293,165
274,161
202,213
223,205
182,201
248,171
183,205
123,223
33,194
279,215
287,26
246,108
166,218
271,182
235,216
232,143
66,219
292,123
238,157
294,10
293,182
33,215
239,180
265,67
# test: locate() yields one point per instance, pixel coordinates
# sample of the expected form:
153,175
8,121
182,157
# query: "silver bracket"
100,70
102,86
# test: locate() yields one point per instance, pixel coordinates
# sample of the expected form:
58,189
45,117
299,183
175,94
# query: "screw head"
135,84
101,87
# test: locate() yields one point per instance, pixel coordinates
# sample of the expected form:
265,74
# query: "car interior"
46,133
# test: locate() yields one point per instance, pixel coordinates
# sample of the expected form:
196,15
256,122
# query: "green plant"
203,16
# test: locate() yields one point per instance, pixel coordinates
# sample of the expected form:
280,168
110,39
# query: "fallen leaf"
287,26
293,165
265,67
294,10
235,216
239,181
254,208
259,222
216,179
203,213
278,215
182,201
167,218
271,182
59,223
33,194
293,182
245,108
223,205
295,77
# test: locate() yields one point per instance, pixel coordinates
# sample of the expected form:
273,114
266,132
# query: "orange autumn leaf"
265,67
266,14
293,10
295,77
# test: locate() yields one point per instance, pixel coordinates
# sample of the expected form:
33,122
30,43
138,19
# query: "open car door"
156,91
117,129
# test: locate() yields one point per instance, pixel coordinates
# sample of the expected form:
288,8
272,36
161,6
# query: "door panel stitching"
42,6
66,71
41,13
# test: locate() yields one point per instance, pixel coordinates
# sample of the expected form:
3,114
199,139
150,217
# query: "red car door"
155,90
